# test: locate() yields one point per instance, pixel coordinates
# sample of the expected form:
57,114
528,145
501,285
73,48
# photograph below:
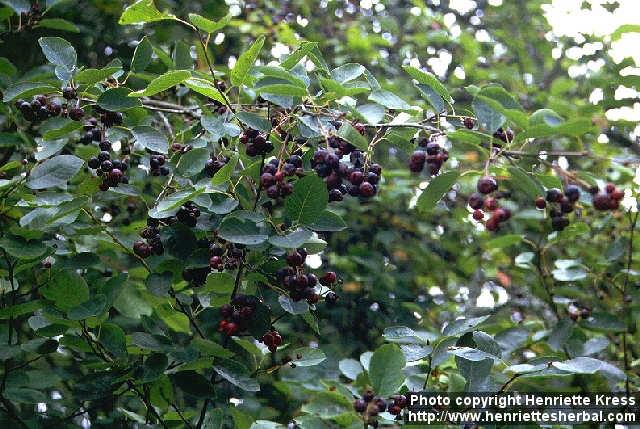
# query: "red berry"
487,185
328,278
490,203
478,215
610,188
541,203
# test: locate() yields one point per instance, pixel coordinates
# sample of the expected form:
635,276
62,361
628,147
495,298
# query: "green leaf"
295,57
436,189
175,320
192,162
525,182
240,72
218,128
205,88
428,79
347,72
194,384
113,338
504,241
385,369
59,24
292,240
20,309
350,134
58,52
328,221
389,100
488,117
207,25
22,249
307,356
162,83
54,172
141,12
308,200
241,231
254,121
461,326
579,365
472,354
282,89
225,173
350,368
26,89
142,56
92,307
236,374
117,100
151,139
92,76
66,289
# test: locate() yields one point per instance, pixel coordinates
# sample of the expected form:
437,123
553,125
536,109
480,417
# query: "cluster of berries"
433,155
302,285
609,199
214,164
340,146
272,340
152,244
237,315
562,203
481,200
41,108
361,181
504,135
370,406
188,214
111,171
225,255
92,133
273,180
397,404
256,143
157,167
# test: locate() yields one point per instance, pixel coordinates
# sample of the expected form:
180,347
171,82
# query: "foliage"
175,207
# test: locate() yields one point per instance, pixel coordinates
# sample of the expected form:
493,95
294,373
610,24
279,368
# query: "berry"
368,396
559,223
572,192
478,215
476,201
490,203
469,123
76,114
142,249
366,189
331,298
610,188
328,278
554,195
486,185
69,92
359,405
541,203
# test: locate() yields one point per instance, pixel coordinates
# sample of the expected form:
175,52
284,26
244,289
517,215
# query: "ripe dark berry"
93,163
541,203
478,215
328,278
554,195
366,189
76,114
490,203
469,123
486,185
610,188
601,201
69,93
368,396
493,224
359,405
356,177
141,249
476,201
105,145
331,298
572,192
